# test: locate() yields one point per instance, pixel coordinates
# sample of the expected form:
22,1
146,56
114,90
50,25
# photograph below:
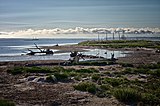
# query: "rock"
55,103
31,78
83,100
73,101
41,79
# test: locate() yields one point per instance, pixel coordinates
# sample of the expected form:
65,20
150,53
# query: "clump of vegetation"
86,86
156,73
61,76
37,70
95,63
127,64
6,103
150,66
122,43
103,91
150,99
51,78
136,71
16,70
91,70
20,70
115,81
95,77
127,95
128,91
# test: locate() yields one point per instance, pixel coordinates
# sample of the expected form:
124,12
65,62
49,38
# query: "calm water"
15,49
12,49
18,46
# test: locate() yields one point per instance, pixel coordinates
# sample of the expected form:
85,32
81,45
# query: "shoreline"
135,56
38,82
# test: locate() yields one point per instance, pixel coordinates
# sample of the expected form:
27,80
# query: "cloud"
80,30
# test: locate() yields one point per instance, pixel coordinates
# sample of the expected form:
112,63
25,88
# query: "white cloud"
77,30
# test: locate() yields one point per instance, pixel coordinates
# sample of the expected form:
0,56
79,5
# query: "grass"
20,70
127,95
115,81
6,103
95,63
86,86
126,65
51,78
122,43
150,99
90,70
107,83
95,77
61,76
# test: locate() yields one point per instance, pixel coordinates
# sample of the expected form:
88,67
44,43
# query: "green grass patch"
6,103
20,70
95,77
61,76
122,43
115,81
126,64
95,63
127,95
51,78
86,86
90,70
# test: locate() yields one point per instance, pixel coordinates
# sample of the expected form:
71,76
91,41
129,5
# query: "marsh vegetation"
143,88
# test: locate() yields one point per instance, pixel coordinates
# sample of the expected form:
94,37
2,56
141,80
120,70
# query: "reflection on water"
64,56
105,53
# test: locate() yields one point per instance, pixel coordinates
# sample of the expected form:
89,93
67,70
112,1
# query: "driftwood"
47,51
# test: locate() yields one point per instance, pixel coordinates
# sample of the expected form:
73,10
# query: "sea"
16,49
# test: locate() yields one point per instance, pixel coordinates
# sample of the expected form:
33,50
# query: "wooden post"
113,35
98,36
106,36
119,35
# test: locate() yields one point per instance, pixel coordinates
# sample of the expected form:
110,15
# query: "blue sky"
40,14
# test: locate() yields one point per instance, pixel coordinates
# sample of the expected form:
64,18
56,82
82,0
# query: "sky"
24,15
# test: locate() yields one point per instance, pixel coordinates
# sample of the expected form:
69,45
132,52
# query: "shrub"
20,70
115,82
105,87
95,63
136,71
6,103
141,71
127,95
69,70
16,70
150,99
58,69
86,71
61,76
150,66
78,77
86,86
102,94
51,78
128,71
126,65
156,73
72,74
95,77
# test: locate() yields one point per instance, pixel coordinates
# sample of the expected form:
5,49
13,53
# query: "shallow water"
15,49
64,56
